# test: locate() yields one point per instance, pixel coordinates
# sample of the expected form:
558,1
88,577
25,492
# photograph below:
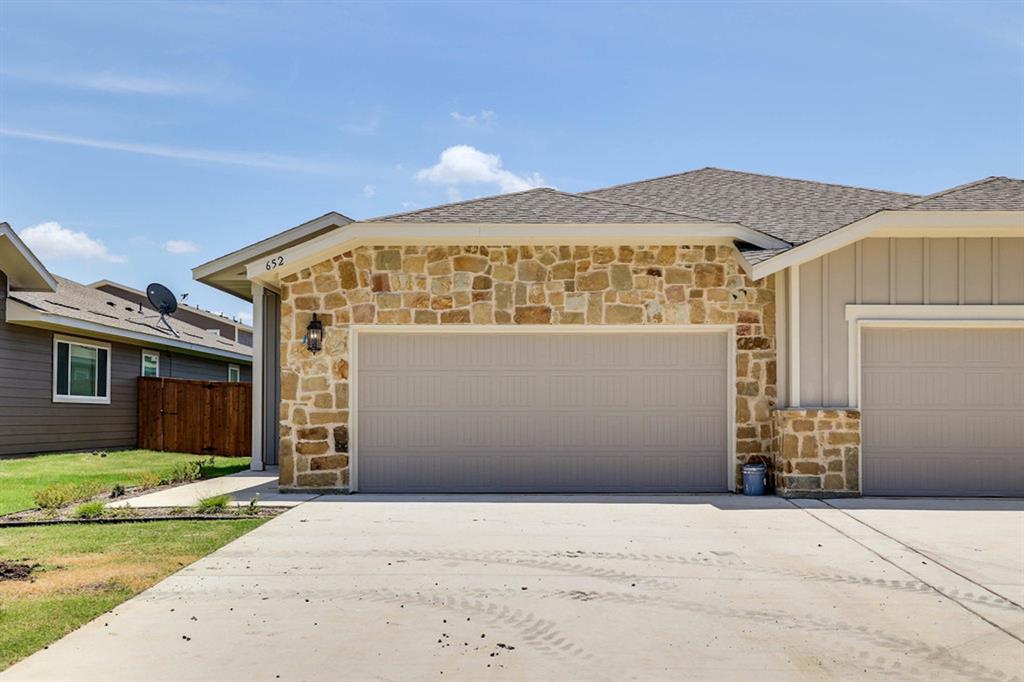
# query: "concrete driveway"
581,588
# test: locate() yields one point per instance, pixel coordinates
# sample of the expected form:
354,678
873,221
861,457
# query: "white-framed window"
81,371
234,373
150,363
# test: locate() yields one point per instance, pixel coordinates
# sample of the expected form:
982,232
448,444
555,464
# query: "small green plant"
251,508
88,510
213,505
185,472
178,511
62,494
146,480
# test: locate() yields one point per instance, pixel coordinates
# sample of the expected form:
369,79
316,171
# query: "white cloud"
484,119
463,164
244,316
250,159
52,241
369,191
108,82
180,246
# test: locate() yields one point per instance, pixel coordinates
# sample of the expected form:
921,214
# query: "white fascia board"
19,313
248,253
30,262
897,223
276,265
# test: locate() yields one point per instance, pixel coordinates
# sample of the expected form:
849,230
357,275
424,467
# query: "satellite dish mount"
165,303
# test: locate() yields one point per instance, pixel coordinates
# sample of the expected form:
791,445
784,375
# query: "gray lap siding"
29,419
31,422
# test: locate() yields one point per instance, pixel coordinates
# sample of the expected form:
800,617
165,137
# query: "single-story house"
647,337
70,356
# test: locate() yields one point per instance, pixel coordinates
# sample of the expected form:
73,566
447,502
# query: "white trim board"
896,223
282,263
357,330
940,316
30,274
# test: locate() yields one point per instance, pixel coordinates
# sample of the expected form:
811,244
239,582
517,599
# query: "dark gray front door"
271,375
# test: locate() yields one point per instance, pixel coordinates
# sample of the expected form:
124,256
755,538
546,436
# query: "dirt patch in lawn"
89,572
12,570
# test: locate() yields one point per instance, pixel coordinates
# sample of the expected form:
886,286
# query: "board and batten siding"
905,271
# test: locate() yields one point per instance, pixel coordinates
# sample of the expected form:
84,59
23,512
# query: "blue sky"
140,139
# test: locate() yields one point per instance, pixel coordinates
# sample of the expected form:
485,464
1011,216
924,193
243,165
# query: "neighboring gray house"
197,317
70,356
647,337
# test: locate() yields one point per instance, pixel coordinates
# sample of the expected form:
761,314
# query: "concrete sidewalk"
242,487
585,587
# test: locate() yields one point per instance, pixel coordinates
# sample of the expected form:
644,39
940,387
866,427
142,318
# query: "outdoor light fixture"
314,335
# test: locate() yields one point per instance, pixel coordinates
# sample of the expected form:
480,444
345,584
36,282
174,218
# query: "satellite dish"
161,298
165,302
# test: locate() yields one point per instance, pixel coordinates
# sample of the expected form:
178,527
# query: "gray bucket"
755,479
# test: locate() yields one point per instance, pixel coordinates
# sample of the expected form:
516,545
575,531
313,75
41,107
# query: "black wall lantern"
314,335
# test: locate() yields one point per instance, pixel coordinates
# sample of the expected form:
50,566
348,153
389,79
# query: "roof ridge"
957,188
645,207
760,175
463,202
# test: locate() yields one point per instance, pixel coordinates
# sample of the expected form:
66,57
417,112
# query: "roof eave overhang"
24,270
22,314
273,266
228,272
897,223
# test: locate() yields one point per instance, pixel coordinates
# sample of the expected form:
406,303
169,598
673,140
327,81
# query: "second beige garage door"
943,411
541,412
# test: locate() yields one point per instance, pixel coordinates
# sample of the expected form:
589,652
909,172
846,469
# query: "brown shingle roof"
79,302
793,210
543,205
989,194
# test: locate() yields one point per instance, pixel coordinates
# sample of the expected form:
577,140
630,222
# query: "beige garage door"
943,411
541,412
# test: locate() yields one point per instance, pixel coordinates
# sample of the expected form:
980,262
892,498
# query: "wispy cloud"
484,119
463,164
180,246
248,159
107,81
53,241
367,127
369,191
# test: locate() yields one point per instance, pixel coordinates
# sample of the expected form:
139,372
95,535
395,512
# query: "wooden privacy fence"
202,417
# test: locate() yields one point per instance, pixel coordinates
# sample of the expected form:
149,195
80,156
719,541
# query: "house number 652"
275,263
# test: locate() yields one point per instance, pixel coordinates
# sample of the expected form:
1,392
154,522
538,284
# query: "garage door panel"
943,411
519,472
541,412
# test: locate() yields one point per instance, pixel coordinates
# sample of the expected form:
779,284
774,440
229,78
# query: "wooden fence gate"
202,417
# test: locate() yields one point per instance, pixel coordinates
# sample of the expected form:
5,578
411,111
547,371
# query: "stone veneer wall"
817,451
522,285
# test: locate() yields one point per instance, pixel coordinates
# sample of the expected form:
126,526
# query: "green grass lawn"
20,478
88,570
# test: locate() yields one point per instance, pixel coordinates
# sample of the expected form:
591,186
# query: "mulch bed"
38,517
